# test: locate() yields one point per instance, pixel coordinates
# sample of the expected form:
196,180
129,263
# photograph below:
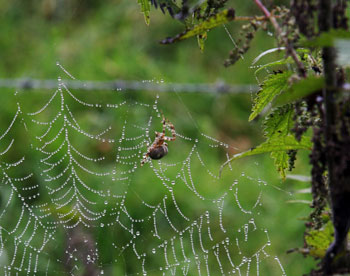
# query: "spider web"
76,201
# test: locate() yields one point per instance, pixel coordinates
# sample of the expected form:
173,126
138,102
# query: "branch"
250,18
290,49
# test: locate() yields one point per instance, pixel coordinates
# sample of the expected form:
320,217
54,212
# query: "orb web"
76,198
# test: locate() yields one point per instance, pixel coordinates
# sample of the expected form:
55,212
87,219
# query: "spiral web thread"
99,212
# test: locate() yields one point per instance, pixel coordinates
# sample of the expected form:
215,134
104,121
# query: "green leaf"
279,123
281,159
287,143
284,61
300,90
318,241
326,39
203,27
201,39
145,8
271,87
279,139
167,5
277,126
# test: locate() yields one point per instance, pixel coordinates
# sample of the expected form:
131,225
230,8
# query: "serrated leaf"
145,8
281,159
300,90
276,126
273,145
279,122
201,40
169,5
318,241
271,87
279,139
287,143
208,24
284,61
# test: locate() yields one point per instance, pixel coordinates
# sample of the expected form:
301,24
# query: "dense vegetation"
310,96
109,40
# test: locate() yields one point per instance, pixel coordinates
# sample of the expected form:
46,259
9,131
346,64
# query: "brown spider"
159,148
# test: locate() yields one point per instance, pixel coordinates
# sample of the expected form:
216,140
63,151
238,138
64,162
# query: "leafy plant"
308,92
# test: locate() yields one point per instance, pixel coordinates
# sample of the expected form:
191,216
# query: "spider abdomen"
158,152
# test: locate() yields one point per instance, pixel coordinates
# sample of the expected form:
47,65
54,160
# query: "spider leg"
173,133
164,124
145,158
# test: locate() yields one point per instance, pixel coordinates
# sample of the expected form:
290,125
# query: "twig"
250,18
289,47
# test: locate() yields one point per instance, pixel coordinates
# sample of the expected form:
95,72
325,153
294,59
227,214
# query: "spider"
159,147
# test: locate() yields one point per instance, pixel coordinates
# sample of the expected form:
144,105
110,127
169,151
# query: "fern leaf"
145,8
271,87
201,28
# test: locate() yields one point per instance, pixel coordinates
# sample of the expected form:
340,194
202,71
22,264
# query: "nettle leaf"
280,62
300,90
280,140
201,39
272,145
270,88
279,122
203,27
278,125
169,5
318,241
145,8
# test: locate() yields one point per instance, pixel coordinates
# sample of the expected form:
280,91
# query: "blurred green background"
106,40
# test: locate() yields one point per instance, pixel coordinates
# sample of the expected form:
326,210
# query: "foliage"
319,26
271,87
300,90
169,5
145,8
279,139
203,27
318,240
109,41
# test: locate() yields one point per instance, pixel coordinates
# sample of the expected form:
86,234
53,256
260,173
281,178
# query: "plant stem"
336,141
335,188
291,51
